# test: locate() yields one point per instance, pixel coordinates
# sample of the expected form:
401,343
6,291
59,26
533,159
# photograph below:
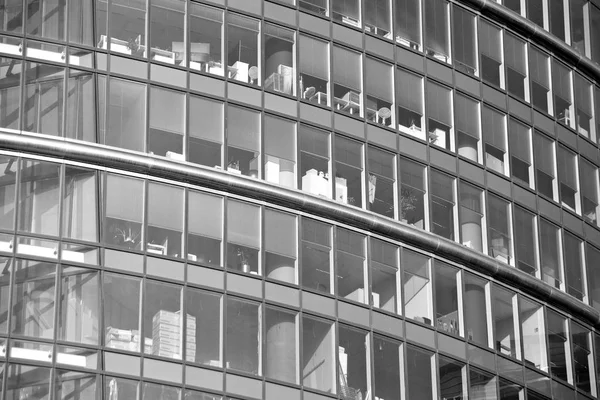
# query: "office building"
299,199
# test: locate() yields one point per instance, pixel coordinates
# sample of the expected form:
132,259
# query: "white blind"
205,215
520,141
467,115
583,93
167,110
280,138
544,154
489,40
494,128
243,128
538,67
567,167
347,69
379,80
124,198
561,81
165,206
438,103
514,53
409,91
280,233
206,119
314,58
243,224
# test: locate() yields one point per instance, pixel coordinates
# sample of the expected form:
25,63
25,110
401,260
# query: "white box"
375,298
440,137
37,250
175,156
74,256
341,190
272,169
156,249
313,183
6,246
241,71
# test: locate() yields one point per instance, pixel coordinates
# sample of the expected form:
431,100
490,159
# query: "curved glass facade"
126,276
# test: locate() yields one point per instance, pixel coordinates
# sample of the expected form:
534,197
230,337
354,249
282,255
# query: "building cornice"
108,157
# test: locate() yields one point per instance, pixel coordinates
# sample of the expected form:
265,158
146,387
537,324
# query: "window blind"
205,215
489,40
538,67
124,198
438,103
520,146
544,154
567,168
464,36
409,91
347,68
379,80
165,206
243,128
243,224
408,20
280,233
514,53
436,26
280,137
494,128
314,58
582,91
467,115
561,81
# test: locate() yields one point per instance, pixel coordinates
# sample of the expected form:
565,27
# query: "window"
121,303
505,322
315,165
348,171
153,391
206,40
384,276
280,340
69,383
494,137
205,228
442,204
539,67
468,131
593,275
568,179
526,241
166,31
416,281
448,310
316,256
346,11
382,182
490,49
319,354
584,115
203,343
46,18
379,84
10,93
517,6
347,81
420,374
243,237
79,306
521,152
378,18
44,108
471,216
21,388
243,50
563,94
165,220
437,29
243,146
558,342
549,254
121,387
162,334
123,213
409,95
583,360
8,177
80,122
580,30
412,193
280,151
545,166
499,229
313,71
465,47
386,364
476,309
39,197
516,66
316,6
12,16
481,383
353,352
439,116
452,379
574,267
167,123
279,59
589,191
123,104
408,23
205,131
243,336
350,263
595,32
127,28
559,10
280,246
531,315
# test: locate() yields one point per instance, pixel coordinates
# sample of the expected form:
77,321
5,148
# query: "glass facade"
304,199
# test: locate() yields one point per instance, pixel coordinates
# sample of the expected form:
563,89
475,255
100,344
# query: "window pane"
490,48
19,388
81,22
79,314
43,110
574,267
482,385
382,182
416,283
467,120
352,356
5,279
280,345
243,336
8,175
350,262
243,237
81,106
551,264
379,84
516,66
471,216
316,6
520,150
243,131
75,385
206,40
46,18
539,67
318,355
412,193
346,11
437,42
39,196
280,151
162,321
558,10
205,131
568,179
442,204
447,312
384,275
166,30
465,48
593,270
154,391
280,68
545,165
409,95
313,69
121,300
584,119
559,344
494,137
127,28
203,344
563,94
534,338
348,171
316,256
387,359
378,18
165,220
123,212
242,49
582,357
347,81
589,191
595,32
12,16
10,90
499,229
33,299
476,309
280,246
408,23
205,228
526,241
315,167
452,379
167,123
439,116
504,305
419,373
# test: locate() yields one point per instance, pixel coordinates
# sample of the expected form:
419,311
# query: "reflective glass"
243,49
206,40
448,312
505,318
122,225
206,126
350,263
313,73
167,123
165,220
442,204
44,89
79,305
280,151
281,244
243,336
75,385
280,345
121,303
348,171
316,256
279,59
203,343
319,355
412,193
166,31
531,315
243,237
384,275
471,216
38,197
437,20
347,81
382,182
205,228
38,386
420,375
163,323
416,282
